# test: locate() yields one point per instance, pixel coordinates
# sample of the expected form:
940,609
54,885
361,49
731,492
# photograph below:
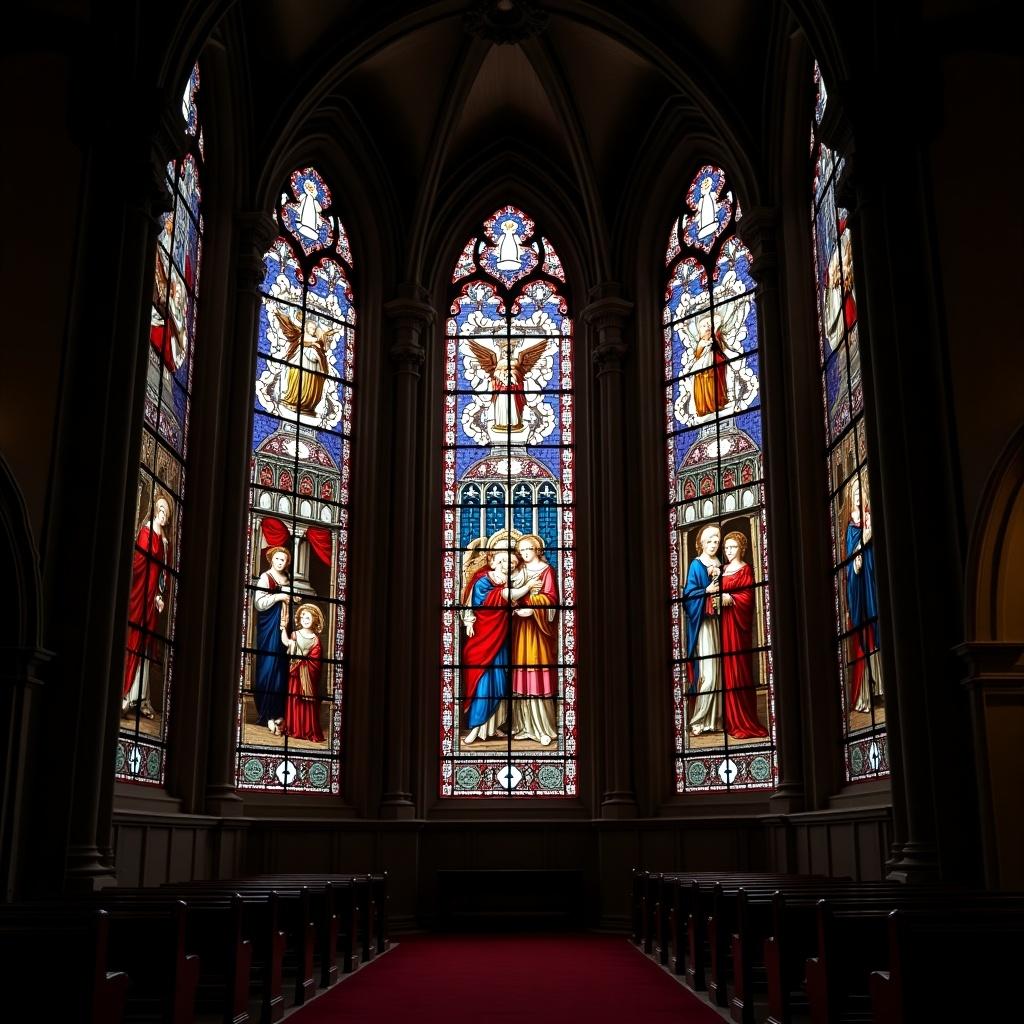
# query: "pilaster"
607,316
410,317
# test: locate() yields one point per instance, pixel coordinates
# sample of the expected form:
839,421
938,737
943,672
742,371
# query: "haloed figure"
270,677
534,643
738,610
302,720
862,602
700,599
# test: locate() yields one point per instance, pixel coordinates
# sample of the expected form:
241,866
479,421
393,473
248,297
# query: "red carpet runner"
545,979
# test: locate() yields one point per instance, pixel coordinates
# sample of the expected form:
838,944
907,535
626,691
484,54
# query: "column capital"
409,317
759,231
254,232
606,314
992,662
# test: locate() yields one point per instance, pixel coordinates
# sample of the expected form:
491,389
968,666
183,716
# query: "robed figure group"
287,665
720,608
511,644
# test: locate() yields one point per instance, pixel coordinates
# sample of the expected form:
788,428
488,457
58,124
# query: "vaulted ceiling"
585,85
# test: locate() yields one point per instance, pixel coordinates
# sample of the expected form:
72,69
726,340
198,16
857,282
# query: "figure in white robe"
509,254
701,600
309,211
707,210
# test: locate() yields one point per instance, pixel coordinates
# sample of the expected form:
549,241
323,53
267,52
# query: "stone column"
906,415
410,318
254,231
759,231
88,541
607,315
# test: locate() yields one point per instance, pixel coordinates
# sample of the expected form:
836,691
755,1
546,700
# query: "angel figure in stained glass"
302,379
707,209
167,319
717,379
509,254
508,373
309,211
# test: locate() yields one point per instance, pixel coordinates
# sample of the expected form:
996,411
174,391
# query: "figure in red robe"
738,607
146,601
488,593
302,716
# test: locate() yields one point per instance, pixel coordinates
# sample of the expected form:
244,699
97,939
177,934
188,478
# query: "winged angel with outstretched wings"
297,379
509,375
716,380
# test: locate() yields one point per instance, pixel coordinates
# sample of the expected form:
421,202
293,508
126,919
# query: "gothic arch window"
722,676
295,574
508,648
159,504
850,507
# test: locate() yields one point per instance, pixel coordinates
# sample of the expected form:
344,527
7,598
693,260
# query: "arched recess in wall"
994,658
508,646
295,575
995,559
722,668
160,504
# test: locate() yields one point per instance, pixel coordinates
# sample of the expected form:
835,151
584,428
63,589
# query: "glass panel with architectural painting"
295,574
722,676
158,504
508,645
850,508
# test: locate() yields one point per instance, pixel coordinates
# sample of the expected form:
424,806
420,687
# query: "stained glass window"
722,677
850,511
508,646
295,573
158,506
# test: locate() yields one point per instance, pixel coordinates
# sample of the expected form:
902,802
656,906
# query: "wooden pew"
672,907
89,991
295,918
853,941
372,897
146,940
214,930
919,940
712,919
749,919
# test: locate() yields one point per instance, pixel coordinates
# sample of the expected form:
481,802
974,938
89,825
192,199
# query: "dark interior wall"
973,161
40,180
976,160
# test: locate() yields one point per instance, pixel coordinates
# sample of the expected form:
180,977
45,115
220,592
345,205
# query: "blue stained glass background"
734,255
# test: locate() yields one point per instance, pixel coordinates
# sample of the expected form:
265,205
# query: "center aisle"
545,979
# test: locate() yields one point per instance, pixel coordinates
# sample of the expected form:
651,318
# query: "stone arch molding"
995,561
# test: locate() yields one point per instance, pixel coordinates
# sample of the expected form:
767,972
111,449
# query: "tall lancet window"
159,500
720,601
508,678
850,513
295,573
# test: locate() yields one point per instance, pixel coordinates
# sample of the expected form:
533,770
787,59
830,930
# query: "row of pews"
233,951
781,948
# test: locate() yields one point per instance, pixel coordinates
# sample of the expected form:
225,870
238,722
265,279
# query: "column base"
619,805
224,802
87,871
787,799
397,805
917,862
